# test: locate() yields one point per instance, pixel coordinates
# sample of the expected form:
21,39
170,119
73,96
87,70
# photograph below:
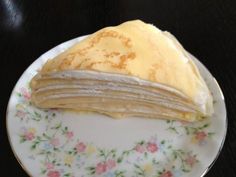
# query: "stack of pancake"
133,69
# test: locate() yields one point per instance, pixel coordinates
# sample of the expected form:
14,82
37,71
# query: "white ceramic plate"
54,143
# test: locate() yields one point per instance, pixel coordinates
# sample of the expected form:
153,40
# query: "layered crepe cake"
130,70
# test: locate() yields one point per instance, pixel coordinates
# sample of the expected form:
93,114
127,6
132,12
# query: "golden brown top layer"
133,48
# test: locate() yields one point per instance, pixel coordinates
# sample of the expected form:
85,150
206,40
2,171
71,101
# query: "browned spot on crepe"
111,54
67,61
81,63
152,73
90,66
113,34
124,58
121,65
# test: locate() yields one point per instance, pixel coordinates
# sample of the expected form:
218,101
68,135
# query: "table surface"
207,29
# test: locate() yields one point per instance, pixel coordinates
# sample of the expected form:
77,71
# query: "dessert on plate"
133,69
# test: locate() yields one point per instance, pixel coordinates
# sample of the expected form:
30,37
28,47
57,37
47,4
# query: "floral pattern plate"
55,143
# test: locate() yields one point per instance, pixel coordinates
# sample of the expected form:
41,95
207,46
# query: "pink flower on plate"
140,148
166,174
25,93
80,147
29,136
55,142
20,114
191,160
69,135
100,168
53,174
110,163
200,136
49,165
152,147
